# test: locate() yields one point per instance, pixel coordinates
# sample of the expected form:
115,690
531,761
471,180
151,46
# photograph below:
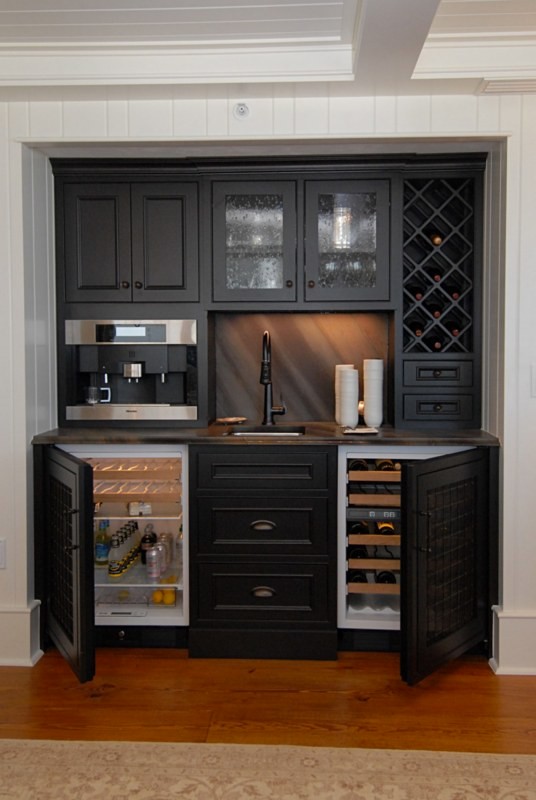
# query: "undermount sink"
267,430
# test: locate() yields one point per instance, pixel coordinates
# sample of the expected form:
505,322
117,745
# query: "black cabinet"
262,552
301,240
127,242
254,240
347,235
439,365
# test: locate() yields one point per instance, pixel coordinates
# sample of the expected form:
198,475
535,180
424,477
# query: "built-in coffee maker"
131,370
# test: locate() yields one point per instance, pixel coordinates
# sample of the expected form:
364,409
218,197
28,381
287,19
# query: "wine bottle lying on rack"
435,310
359,528
357,576
387,465
435,343
385,527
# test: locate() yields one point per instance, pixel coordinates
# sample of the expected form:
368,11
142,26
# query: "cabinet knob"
138,284
263,591
438,407
438,373
125,285
311,284
289,284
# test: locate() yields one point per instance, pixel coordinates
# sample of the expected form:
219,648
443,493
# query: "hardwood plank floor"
357,701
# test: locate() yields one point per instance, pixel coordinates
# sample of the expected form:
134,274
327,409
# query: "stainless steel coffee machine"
132,370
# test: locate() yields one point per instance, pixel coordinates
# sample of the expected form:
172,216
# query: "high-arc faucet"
266,380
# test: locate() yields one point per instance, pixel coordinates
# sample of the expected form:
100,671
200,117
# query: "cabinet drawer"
434,373
269,592
287,468
438,407
261,526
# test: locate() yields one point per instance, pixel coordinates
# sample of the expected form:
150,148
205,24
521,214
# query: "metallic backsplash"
305,350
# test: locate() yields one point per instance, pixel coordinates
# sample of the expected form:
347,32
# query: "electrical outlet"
2,553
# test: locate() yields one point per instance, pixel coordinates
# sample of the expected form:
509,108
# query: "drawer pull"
438,373
263,525
263,591
438,407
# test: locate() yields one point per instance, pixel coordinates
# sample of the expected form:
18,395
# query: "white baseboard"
514,642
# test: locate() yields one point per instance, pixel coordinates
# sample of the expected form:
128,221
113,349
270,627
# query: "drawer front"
434,373
263,592
288,468
260,525
438,407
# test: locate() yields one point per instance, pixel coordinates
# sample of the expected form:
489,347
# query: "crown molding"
105,64
510,57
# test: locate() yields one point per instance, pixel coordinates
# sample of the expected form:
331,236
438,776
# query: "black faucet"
266,379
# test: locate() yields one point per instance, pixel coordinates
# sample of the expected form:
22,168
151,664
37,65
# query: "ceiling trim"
141,64
509,57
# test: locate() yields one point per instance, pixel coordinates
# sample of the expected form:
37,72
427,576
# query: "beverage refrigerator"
117,548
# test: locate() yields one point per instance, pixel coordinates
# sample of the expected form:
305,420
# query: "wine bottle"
416,291
360,528
387,465
435,310
417,328
358,576
385,528
358,464
385,577
358,552
436,239
435,343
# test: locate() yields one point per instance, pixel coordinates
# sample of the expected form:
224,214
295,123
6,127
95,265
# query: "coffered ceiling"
372,46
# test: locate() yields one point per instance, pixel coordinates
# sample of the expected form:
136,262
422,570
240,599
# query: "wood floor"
357,701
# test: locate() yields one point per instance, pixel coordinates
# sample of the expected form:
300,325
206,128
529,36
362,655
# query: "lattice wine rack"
438,257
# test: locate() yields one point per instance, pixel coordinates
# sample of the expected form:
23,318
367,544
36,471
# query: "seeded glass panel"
347,240
254,241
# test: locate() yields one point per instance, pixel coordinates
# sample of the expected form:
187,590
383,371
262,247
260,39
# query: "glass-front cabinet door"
347,240
254,240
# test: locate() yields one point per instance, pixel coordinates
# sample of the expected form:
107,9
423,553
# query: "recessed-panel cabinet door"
97,242
70,603
445,560
165,264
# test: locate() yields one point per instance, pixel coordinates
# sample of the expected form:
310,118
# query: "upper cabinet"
125,242
312,241
347,240
254,240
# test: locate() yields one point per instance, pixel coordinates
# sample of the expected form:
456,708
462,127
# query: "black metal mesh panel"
60,556
451,562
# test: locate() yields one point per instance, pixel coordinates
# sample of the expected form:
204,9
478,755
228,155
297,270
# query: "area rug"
58,770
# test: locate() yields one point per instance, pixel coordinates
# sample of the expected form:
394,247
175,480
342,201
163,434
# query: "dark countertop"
315,433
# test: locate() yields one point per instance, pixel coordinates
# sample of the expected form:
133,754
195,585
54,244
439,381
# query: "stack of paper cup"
346,395
373,391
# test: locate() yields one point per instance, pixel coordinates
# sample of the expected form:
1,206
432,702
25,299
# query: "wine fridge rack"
438,259
372,543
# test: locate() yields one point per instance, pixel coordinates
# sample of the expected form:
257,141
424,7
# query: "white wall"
173,120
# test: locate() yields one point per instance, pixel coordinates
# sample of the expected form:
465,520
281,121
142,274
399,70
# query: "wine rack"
439,326
438,259
371,558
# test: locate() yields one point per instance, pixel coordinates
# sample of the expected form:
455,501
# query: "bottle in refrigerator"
115,566
102,545
148,540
